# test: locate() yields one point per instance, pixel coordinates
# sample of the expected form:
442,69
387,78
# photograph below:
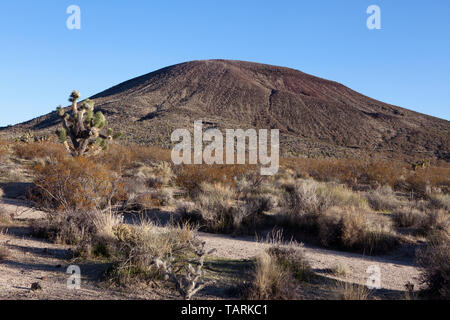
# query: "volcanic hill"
316,117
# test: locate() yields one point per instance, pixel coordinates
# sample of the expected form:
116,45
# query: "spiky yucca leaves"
84,128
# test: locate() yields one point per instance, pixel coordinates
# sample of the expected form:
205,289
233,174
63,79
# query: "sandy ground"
32,260
395,271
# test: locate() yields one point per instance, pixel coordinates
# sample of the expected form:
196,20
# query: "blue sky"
406,63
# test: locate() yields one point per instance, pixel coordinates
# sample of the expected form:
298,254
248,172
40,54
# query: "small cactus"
83,128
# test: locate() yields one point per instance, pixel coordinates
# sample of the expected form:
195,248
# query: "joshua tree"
84,128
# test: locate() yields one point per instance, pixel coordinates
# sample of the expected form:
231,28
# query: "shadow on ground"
15,190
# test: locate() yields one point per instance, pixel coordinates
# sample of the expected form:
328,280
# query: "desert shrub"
190,177
440,201
292,260
407,216
350,229
39,150
271,281
434,222
339,195
190,283
117,158
340,270
5,217
4,145
4,149
249,184
139,196
348,171
153,176
75,184
311,197
164,197
434,262
139,246
341,227
397,174
143,201
345,228
306,200
214,210
148,199
303,198
76,227
120,158
163,170
336,217
4,251
217,210
351,291
383,199
422,179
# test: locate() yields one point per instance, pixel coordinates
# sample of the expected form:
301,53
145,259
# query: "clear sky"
406,63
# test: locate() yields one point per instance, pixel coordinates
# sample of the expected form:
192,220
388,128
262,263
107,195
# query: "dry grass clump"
4,252
163,174
156,175
303,199
5,217
145,186
164,197
4,149
190,177
350,229
218,210
39,150
440,201
292,259
4,145
434,260
434,222
271,281
340,270
407,216
214,209
425,222
139,247
336,218
307,197
120,158
278,271
383,199
75,184
339,195
76,227
351,291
